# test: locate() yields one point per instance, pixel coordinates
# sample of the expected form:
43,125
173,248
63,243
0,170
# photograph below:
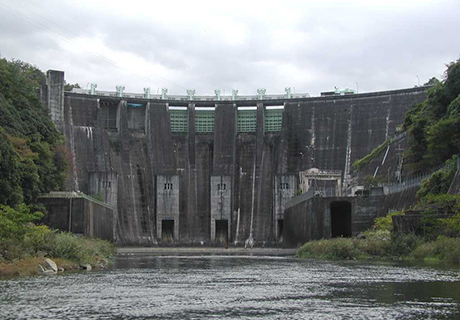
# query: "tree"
431,82
70,86
434,126
31,157
10,172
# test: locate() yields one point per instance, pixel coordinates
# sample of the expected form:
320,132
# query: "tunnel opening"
167,231
280,229
340,219
222,232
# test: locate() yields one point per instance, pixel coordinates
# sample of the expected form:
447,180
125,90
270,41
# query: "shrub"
385,223
452,225
337,248
377,243
439,182
402,245
64,245
442,249
425,251
16,222
36,238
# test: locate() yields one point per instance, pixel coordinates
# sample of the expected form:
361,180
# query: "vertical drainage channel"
346,173
72,149
253,202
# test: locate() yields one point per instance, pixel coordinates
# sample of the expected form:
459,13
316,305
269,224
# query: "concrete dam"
202,171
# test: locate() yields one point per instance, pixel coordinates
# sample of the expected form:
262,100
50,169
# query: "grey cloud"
380,48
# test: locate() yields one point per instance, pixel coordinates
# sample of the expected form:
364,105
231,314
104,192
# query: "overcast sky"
206,45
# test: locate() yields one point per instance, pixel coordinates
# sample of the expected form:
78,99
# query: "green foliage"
402,245
452,83
433,81
32,156
361,163
443,139
440,181
444,203
417,141
385,223
70,86
331,249
452,225
20,239
10,172
434,126
454,108
36,238
443,249
434,209
15,223
99,197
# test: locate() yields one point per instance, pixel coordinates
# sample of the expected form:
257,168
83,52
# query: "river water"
237,287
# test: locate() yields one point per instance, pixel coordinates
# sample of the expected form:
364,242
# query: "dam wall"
202,172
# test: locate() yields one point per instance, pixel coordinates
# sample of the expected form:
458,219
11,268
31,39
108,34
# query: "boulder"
86,267
45,271
51,264
249,243
104,263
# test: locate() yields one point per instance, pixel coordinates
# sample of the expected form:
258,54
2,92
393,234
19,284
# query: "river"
237,287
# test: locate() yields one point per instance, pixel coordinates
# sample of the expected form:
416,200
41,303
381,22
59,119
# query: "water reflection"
147,287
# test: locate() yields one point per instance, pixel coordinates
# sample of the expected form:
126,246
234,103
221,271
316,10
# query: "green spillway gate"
178,120
273,120
204,121
247,120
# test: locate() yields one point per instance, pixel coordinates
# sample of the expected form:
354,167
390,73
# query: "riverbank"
383,247
30,266
24,256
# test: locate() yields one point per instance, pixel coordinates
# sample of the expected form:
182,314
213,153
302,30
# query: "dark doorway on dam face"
222,232
280,226
340,219
167,231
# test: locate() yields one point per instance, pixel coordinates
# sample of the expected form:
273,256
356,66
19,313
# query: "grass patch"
331,249
24,245
361,163
378,246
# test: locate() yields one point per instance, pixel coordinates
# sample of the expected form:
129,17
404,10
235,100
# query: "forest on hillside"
433,126
33,159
